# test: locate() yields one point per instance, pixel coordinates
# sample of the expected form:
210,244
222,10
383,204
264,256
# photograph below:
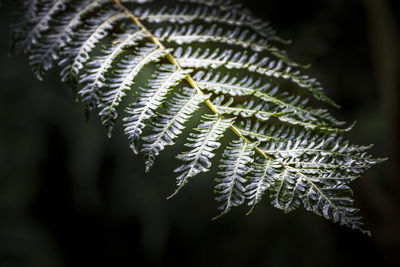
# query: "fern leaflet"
203,145
235,166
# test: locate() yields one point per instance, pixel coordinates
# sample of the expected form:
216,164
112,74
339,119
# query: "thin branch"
189,78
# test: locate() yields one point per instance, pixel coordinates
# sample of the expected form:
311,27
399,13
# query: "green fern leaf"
211,53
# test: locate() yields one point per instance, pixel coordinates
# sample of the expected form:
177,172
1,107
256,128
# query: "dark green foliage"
194,53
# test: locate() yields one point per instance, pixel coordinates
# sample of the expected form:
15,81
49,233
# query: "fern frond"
85,42
233,16
169,123
38,21
25,16
330,200
287,189
203,144
95,77
194,52
235,165
294,105
329,149
264,112
187,34
122,80
303,177
150,98
60,35
262,131
205,58
260,179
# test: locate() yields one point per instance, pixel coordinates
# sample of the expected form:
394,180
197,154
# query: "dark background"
69,196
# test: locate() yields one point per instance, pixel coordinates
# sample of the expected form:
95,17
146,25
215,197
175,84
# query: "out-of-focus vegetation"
71,197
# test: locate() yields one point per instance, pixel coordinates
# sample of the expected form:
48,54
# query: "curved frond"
171,57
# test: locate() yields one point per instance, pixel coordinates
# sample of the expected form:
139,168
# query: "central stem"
189,78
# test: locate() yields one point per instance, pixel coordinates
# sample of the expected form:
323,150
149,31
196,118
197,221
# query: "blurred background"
69,196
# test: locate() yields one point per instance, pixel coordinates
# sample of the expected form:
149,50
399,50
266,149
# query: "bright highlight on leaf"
155,64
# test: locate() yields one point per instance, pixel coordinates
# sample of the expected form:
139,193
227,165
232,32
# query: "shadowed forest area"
69,196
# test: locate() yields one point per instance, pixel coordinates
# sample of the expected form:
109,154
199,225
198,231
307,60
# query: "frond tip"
158,62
